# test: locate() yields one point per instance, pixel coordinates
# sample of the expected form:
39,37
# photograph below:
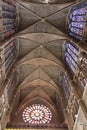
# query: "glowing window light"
37,114
77,21
71,56
47,1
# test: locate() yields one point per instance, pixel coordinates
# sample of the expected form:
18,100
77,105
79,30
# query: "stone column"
0,126
83,107
75,89
69,119
80,127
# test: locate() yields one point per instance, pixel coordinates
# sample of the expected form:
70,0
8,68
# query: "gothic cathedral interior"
43,64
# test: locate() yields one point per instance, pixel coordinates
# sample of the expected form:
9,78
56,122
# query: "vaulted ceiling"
41,36
49,1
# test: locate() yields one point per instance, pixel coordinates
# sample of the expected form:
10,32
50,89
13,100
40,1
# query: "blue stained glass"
8,21
8,27
74,49
71,59
76,30
70,65
9,8
79,12
80,6
78,18
75,36
77,24
8,15
71,56
66,86
75,12
77,21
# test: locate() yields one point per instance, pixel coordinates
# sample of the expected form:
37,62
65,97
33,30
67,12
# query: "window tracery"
71,56
77,21
8,18
37,114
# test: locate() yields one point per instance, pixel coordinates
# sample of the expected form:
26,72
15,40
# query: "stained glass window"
66,86
8,18
8,56
37,114
77,21
71,56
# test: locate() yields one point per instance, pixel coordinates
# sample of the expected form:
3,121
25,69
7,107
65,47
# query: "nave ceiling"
41,36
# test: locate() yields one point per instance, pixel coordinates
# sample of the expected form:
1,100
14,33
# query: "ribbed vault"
41,39
50,1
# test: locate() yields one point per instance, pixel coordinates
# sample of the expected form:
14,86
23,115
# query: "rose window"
37,114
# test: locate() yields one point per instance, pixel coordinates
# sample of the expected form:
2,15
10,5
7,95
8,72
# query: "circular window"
37,114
